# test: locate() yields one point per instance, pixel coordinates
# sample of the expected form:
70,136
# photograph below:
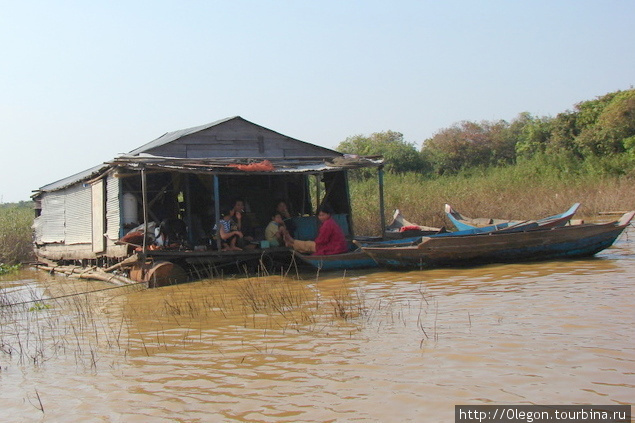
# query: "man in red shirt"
330,238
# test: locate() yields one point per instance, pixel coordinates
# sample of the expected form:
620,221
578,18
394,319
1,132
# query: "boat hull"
542,244
352,260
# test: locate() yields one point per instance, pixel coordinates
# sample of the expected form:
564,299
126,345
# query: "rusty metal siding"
113,210
78,207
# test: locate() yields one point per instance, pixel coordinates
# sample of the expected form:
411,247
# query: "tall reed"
15,235
520,192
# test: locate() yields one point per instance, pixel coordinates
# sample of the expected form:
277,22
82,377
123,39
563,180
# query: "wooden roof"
216,146
230,137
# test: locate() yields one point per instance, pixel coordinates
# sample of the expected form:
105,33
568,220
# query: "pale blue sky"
82,81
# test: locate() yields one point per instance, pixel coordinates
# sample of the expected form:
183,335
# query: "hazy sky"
82,81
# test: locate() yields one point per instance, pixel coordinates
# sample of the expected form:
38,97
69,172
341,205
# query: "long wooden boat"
356,259
500,246
415,240
463,222
402,228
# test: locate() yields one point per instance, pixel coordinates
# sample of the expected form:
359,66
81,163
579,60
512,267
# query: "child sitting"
230,238
275,230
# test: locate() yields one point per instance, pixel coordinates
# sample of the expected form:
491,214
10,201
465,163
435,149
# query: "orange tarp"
262,166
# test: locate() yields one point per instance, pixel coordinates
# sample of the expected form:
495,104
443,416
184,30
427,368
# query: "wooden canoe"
500,246
464,223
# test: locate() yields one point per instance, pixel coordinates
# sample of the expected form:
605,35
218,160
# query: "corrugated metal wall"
50,224
78,207
113,219
66,216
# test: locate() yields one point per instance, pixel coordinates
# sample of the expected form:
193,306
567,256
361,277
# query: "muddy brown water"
362,346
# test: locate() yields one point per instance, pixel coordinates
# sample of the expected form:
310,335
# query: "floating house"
191,175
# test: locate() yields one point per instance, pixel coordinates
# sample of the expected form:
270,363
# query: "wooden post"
382,214
318,189
188,209
305,192
349,211
144,199
217,211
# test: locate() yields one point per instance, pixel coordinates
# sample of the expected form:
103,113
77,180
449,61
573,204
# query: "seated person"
275,230
283,208
242,222
231,239
330,238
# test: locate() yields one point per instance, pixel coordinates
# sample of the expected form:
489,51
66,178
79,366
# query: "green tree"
470,144
611,122
564,131
589,111
531,133
400,155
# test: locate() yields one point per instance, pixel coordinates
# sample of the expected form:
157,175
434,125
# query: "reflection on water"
366,346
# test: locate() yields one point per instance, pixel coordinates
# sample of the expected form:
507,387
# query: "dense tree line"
599,133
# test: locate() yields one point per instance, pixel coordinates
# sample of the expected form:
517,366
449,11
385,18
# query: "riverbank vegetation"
527,191
528,168
15,234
